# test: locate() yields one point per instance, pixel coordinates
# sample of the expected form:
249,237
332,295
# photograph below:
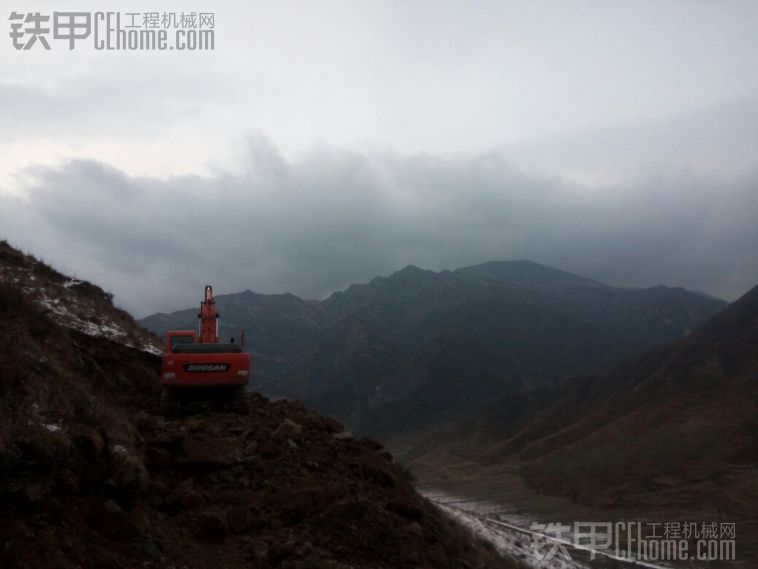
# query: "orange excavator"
197,362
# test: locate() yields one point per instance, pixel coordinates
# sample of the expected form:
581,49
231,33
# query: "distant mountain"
531,275
640,317
676,426
421,348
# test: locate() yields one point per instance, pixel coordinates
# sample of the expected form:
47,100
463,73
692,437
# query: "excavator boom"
208,318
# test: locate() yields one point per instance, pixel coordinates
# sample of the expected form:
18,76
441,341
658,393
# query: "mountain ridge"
547,323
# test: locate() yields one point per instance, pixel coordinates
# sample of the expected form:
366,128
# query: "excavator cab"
175,339
196,362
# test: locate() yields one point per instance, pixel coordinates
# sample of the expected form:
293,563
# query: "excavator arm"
208,318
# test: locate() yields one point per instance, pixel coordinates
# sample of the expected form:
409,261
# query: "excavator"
196,362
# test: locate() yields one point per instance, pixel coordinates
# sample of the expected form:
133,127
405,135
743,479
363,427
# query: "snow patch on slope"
68,308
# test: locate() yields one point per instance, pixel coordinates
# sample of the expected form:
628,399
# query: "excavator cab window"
180,339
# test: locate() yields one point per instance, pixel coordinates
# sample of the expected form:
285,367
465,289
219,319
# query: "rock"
416,529
372,443
127,470
313,421
142,420
184,498
377,470
343,436
91,443
309,500
158,422
194,425
281,551
170,439
269,449
211,524
36,490
305,549
158,458
180,491
288,429
35,451
110,520
68,479
239,520
332,425
406,508
192,500
212,451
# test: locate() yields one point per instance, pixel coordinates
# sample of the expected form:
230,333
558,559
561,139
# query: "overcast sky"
325,142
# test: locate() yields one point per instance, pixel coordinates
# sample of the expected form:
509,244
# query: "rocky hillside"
92,477
71,302
419,349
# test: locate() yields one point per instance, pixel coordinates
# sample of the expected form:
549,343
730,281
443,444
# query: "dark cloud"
333,217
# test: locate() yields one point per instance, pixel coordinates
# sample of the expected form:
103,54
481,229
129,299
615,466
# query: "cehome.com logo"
108,31
206,368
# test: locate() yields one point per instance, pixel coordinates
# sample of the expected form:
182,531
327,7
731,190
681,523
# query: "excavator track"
177,402
171,402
